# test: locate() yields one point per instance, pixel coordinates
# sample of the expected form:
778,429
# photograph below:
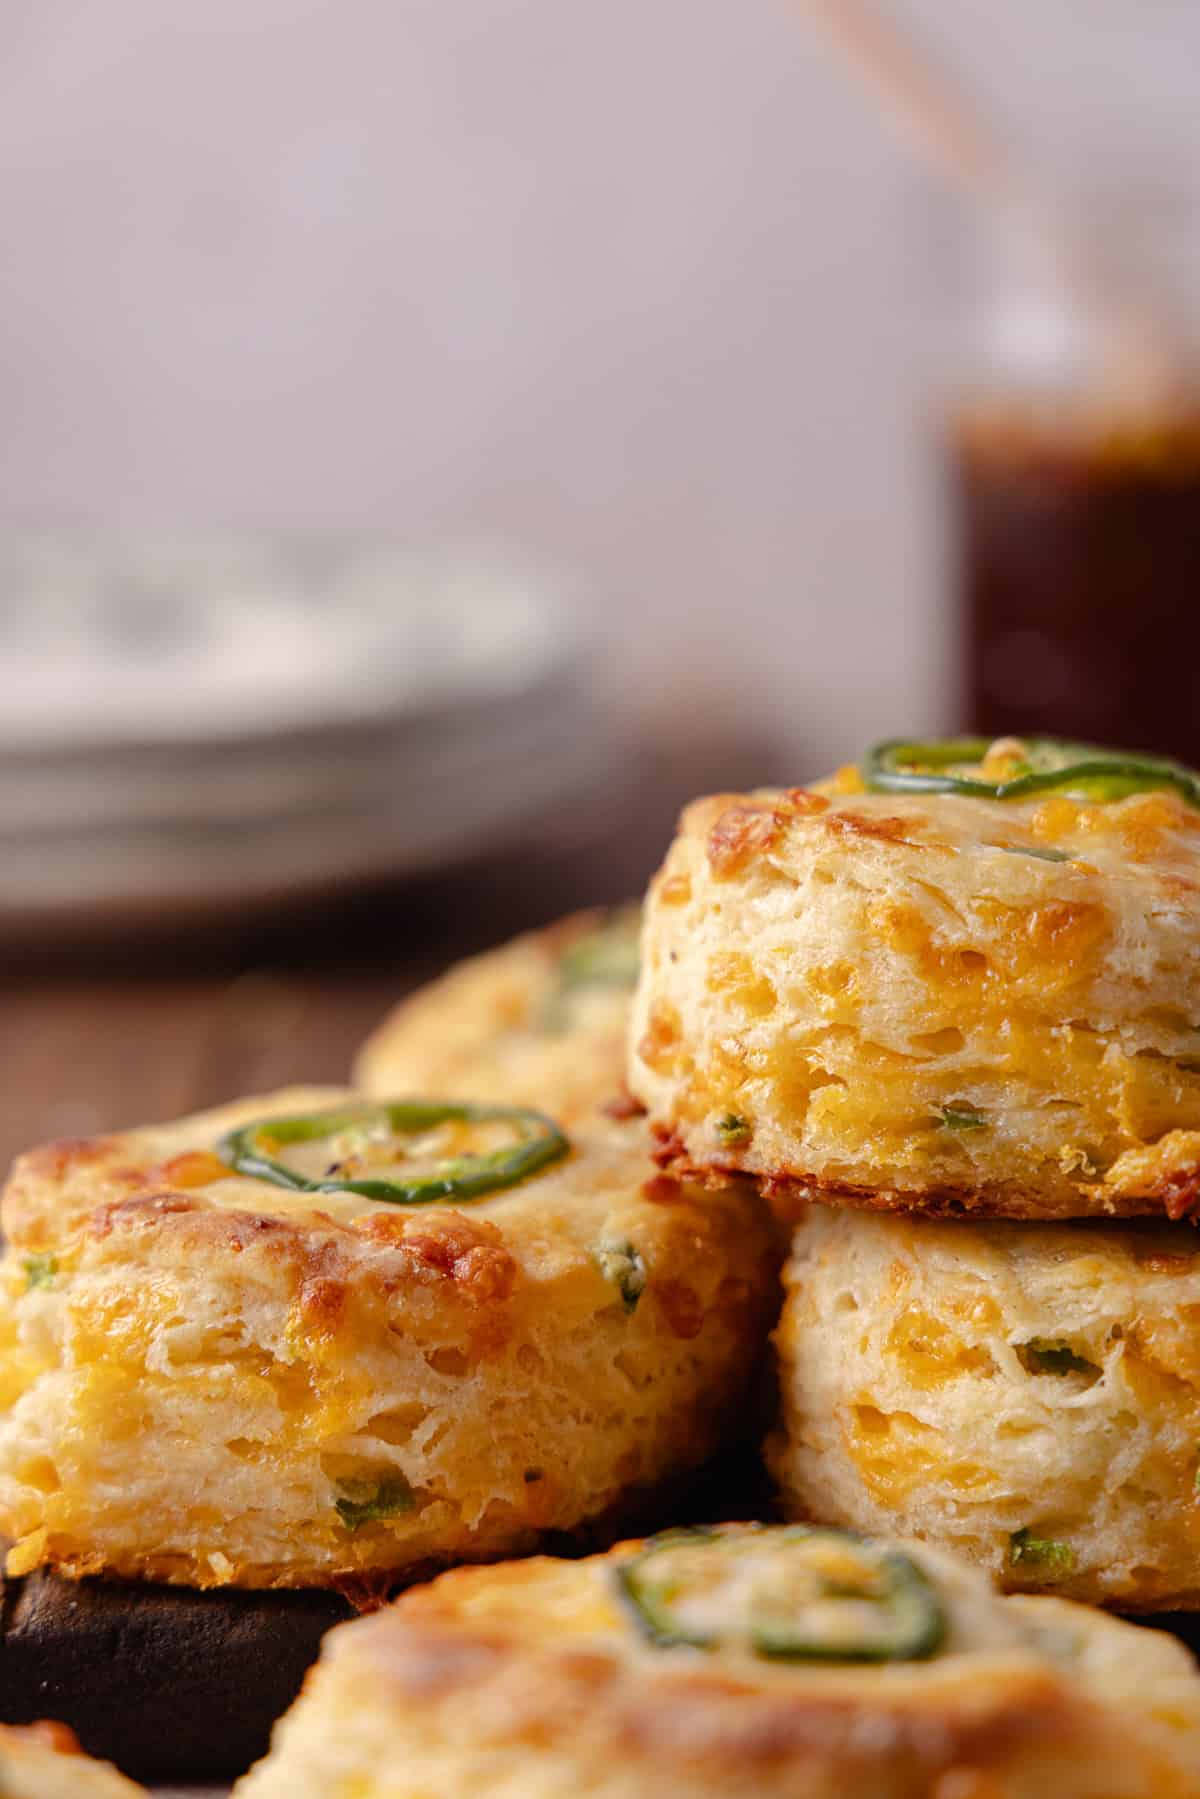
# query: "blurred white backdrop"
633,287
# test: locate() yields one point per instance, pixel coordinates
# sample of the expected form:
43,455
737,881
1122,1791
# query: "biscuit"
541,1022
175,1685
540,1680
1026,1394
929,1001
212,1379
44,1761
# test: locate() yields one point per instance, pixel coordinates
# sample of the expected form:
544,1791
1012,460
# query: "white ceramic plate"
205,724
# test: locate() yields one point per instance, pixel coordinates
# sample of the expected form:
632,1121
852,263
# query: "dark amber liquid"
1080,581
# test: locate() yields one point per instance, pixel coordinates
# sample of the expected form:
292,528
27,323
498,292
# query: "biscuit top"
1006,806
599,1209
1146,845
1064,892
575,1620
564,1606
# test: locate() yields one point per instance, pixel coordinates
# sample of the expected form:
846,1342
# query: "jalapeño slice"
607,956
536,1142
795,1593
1035,765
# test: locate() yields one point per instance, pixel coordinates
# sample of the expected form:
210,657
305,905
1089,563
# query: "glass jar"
1071,424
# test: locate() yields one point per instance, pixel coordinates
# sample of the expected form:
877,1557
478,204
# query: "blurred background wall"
639,287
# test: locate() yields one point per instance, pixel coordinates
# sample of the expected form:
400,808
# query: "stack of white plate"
190,724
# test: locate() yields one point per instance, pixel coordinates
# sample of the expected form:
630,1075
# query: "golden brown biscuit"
44,1761
930,1001
212,1379
540,1022
1027,1394
538,1680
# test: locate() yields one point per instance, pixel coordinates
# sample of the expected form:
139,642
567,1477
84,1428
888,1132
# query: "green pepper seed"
732,1129
961,1118
620,1263
1026,1550
365,1502
40,1270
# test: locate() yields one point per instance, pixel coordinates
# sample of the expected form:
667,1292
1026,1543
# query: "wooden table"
92,1054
